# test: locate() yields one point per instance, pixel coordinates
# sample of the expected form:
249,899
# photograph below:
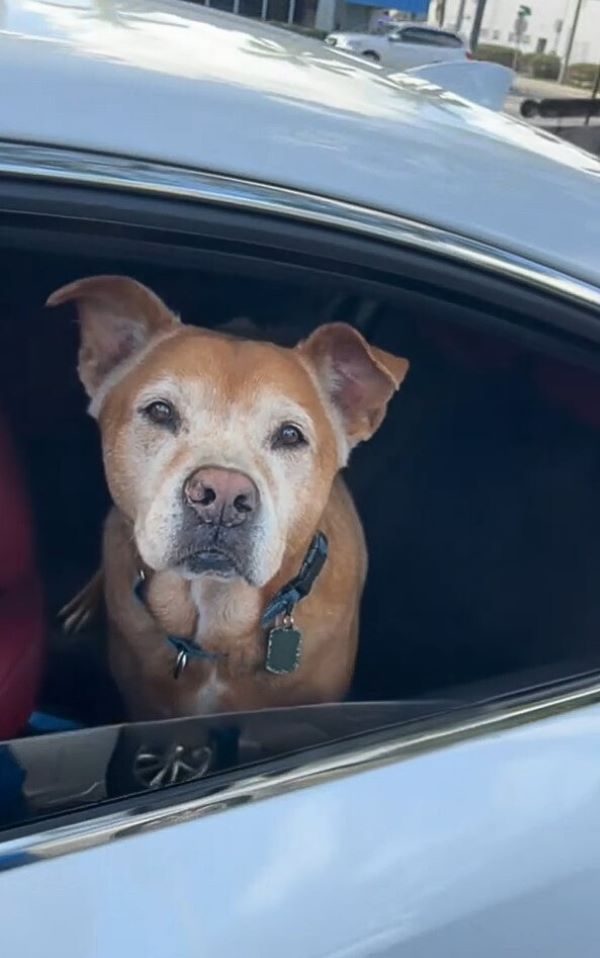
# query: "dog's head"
221,451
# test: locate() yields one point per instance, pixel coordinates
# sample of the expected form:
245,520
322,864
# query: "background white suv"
407,45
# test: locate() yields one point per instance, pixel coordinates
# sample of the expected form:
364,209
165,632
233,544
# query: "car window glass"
430,37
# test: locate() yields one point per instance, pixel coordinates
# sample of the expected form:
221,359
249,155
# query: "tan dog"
222,458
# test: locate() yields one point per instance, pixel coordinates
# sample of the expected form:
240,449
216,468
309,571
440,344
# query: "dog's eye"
288,436
161,413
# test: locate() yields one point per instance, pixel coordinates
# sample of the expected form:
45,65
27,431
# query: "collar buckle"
180,663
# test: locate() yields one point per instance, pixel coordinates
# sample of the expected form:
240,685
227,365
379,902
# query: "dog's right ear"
358,378
118,316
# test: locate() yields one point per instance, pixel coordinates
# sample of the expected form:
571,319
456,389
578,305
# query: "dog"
233,557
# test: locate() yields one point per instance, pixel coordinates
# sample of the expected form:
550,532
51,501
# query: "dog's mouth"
214,562
212,550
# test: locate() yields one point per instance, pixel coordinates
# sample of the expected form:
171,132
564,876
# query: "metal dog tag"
284,647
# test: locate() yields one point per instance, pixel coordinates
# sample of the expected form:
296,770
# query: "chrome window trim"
79,168
353,756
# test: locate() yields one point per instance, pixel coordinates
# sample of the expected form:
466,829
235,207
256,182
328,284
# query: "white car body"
406,46
284,110
474,834
489,846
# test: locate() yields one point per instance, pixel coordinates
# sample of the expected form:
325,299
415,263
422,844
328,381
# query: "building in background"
547,29
361,15
325,15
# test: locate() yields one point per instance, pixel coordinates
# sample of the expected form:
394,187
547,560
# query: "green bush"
582,74
495,54
543,66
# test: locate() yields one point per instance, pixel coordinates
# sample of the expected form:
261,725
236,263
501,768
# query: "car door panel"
405,55
489,846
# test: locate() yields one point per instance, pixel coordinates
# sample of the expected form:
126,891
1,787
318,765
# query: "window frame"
40,166
100,192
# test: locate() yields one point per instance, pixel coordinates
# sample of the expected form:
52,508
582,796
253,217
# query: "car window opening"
477,498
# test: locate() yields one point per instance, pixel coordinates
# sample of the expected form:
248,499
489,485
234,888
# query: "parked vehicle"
451,806
408,45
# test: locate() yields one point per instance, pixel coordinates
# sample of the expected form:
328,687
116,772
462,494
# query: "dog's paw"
83,608
74,618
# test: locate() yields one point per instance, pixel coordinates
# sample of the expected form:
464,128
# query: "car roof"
177,83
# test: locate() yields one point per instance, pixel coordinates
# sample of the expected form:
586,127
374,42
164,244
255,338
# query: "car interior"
477,495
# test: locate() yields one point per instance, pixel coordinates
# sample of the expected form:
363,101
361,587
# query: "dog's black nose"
221,496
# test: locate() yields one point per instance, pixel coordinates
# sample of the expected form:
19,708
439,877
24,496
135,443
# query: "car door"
415,46
475,834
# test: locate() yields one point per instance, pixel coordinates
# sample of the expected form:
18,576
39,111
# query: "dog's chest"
223,619
226,626
211,693
227,612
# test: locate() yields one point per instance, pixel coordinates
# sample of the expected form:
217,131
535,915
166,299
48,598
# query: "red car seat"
21,607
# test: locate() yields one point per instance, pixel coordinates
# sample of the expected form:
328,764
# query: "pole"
558,26
595,92
291,11
477,21
460,15
515,64
567,57
520,27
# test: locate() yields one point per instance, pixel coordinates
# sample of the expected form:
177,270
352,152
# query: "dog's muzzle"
220,510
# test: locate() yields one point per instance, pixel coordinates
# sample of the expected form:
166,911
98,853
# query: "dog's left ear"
360,379
118,317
